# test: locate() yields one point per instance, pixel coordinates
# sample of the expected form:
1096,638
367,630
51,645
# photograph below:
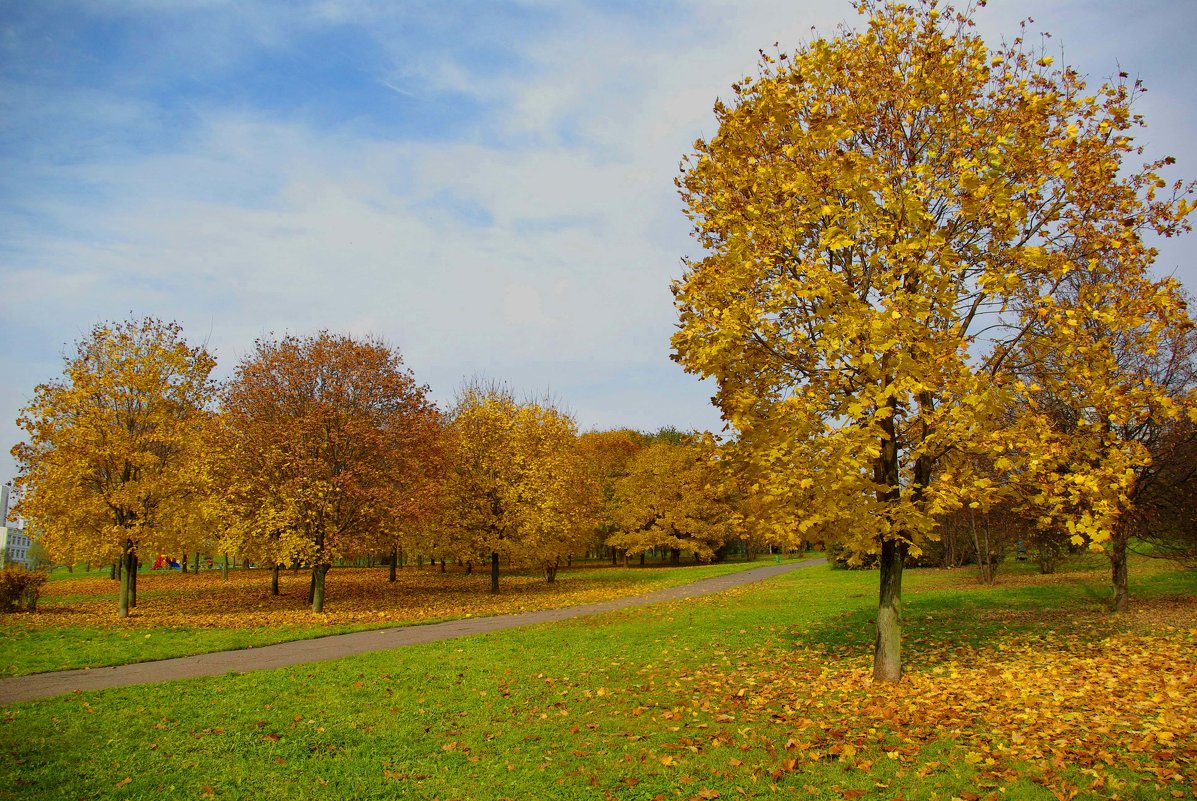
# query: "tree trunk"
443,563
614,557
394,564
494,571
183,563
274,580
887,649
126,554
981,547
887,652
197,562
134,564
1117,553
469,567
642,558
675,556
550,571
224,568
318,573
115,566
312,586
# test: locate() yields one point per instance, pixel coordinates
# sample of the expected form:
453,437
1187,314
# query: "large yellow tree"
113,445
324,447
885,213
517,488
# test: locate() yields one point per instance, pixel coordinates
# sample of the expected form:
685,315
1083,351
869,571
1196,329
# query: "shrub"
20,587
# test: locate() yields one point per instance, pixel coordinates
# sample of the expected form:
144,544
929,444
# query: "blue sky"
487,185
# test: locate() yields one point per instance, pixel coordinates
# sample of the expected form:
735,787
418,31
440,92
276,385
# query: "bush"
20,588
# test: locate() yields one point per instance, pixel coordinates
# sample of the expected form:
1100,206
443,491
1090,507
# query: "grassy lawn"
181,614
1024,690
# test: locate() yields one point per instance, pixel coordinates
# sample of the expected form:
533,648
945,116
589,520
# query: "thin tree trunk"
1118,543
224,568
642,558
675,556
318,574
443,563
887,649
134,564
115,570
394,564
494,571
887,653
197,561
126,553
274,580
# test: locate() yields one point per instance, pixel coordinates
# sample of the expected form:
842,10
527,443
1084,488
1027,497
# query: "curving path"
42,685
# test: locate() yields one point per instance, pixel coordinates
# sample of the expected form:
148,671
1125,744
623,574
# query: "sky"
485,185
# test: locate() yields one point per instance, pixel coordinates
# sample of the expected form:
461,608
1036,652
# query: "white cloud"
539,249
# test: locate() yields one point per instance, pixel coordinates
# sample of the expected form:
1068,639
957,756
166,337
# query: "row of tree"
325,448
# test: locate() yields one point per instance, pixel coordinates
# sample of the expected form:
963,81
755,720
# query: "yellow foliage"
670,499
112,446
888,220
517,484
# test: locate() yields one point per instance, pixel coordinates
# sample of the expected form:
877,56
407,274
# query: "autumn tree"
112,446
884,214
606,455
516,489
671,499
1119,401
323,443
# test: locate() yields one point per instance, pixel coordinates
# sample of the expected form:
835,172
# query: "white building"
14,542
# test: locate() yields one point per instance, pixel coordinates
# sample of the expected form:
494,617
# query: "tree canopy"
111,449
324,445
888,217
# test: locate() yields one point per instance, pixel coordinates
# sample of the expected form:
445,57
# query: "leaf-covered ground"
1026,691
76,624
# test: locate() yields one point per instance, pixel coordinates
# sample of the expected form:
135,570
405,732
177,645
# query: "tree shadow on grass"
955,624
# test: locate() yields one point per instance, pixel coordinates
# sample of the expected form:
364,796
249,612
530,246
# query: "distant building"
14,542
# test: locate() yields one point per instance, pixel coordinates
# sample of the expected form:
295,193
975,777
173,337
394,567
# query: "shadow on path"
42,685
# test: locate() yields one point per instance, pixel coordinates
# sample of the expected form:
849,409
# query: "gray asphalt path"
42,685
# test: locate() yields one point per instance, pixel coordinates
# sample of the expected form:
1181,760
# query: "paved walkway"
41,685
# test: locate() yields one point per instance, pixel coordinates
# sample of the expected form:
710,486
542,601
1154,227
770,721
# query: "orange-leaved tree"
885,214
113,445
325,444
517,488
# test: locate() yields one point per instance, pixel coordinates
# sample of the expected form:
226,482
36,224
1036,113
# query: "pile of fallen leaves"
354,596
1086,710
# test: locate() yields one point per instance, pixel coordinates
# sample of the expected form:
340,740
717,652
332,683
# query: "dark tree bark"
494,572
125,578
274,580
394,564
318,574
1117,551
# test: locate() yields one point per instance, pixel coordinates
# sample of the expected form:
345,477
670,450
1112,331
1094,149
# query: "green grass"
29,649
583,709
